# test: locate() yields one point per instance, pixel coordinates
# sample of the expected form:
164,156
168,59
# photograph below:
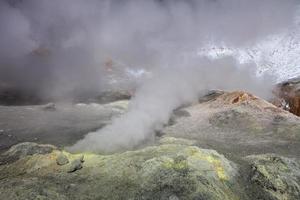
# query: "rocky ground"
238,123
57,124
226,146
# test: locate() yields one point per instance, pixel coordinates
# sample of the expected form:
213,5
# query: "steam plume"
166,90
62,45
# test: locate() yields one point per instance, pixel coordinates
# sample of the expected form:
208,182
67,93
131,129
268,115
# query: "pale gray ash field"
149,100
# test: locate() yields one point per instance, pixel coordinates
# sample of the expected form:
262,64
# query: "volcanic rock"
211,95
232,146
62,159
278,177
239,123
288,95
25,149
176,171
75,165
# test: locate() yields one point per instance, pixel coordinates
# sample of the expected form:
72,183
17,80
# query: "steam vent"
150,100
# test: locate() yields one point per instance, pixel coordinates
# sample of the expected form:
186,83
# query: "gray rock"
62,159
210,96
111,96
178,113
49,107
75,165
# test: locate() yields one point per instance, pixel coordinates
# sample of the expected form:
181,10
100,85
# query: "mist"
165,91
59,48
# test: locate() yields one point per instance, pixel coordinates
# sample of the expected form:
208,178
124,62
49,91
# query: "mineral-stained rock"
29,148
166,171
75,165
288,93
235,124
24,149
172,140
277,177
62,159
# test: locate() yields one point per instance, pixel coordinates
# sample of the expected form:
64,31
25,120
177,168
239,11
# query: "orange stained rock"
237,97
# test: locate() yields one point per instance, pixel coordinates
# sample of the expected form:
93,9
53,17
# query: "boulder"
75,165
62,159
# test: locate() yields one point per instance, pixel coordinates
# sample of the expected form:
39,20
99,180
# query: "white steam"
166,90
63,45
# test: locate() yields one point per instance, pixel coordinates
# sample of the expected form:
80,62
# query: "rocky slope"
230,145
239,123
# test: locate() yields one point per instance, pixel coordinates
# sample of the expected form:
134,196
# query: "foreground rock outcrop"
171,170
